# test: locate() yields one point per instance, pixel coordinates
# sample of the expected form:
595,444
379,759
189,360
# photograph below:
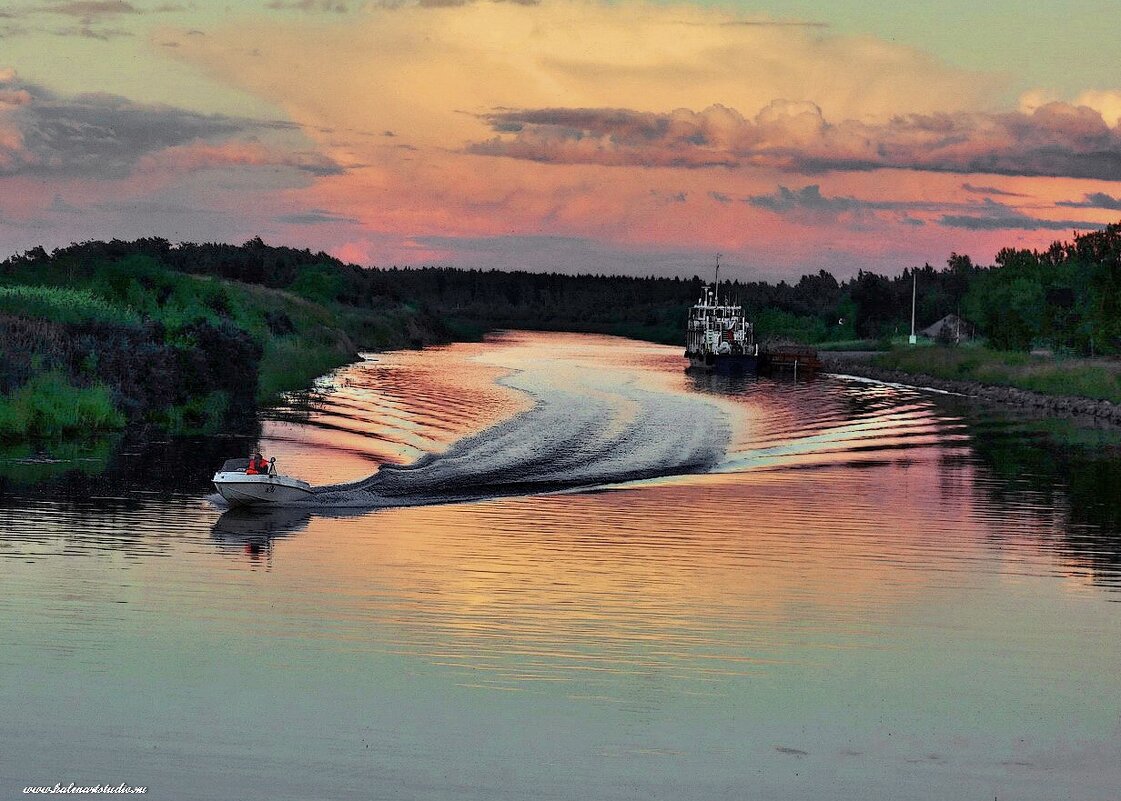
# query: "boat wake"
587,428
624,414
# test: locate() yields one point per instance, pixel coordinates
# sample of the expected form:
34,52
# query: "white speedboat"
262,489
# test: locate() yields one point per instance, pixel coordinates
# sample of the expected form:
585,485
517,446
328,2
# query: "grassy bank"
94,344
851,345
50,405
1099,379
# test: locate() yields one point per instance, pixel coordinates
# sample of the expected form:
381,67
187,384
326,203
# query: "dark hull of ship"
725,362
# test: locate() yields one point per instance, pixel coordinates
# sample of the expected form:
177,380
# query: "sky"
574,135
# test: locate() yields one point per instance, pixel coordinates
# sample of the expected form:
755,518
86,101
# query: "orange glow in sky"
568,134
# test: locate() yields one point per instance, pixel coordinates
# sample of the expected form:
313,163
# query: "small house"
950,328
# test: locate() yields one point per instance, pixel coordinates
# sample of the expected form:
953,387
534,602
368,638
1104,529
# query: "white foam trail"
588,427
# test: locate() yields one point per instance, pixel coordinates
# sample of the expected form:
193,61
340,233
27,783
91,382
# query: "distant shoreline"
860,364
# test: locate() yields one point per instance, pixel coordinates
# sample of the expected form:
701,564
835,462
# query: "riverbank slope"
1090,387
96,338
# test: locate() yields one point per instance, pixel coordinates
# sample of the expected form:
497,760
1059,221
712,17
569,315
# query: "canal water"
560,567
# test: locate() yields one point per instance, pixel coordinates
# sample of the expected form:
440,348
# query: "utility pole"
914,294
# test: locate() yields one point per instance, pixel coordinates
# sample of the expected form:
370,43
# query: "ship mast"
717,279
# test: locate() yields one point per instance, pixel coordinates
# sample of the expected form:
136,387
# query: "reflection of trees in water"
116,466
721,383
26,464
739,382
1031,461
1074,467
299,406
125,493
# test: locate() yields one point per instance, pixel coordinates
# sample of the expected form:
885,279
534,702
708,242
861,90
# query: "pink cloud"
1055,139
597,171
107,136
12,97
206,155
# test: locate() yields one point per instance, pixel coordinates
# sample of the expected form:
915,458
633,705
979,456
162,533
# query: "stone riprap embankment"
860,364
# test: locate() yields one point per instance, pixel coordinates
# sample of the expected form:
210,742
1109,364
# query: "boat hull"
240,489
725,362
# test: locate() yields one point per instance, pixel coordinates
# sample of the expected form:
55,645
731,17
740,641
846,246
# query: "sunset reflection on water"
864,598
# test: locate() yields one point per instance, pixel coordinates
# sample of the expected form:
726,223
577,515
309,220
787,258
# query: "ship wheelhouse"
718,329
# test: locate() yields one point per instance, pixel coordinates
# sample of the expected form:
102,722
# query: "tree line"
1067,296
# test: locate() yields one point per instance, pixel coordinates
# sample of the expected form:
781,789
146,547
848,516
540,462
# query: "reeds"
291,363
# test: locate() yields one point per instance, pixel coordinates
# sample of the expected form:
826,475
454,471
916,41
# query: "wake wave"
618,415
587,428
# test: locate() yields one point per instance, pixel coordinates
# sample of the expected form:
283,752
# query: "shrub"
49,406
62,305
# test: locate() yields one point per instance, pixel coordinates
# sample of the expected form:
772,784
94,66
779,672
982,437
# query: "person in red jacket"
257,466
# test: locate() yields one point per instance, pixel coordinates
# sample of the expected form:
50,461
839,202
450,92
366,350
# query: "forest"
1066,298
102,334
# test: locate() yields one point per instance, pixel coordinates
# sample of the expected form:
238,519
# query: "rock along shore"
859,364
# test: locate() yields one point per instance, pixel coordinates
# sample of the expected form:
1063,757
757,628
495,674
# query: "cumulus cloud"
1106,102
98,135
412,68
1056,139
107,136
12,96
614,137
434,75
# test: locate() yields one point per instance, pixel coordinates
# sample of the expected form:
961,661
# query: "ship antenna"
717,279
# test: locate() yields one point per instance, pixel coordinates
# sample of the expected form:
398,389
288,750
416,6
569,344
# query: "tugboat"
717,336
